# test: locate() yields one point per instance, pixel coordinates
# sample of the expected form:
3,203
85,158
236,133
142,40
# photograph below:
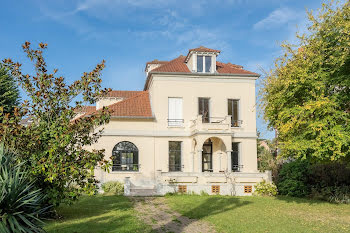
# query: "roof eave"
206,74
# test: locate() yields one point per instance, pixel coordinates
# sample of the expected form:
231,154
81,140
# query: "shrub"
265,189
292,179
21,203
113,187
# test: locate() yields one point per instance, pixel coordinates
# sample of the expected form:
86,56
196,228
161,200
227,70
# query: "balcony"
125,167
175,122
211,123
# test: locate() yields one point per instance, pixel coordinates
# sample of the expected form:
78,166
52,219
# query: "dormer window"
203,64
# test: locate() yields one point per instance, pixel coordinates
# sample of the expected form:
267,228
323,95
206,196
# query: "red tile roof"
176,65
155,61
136,106
85,109
204,49
229,68
123,94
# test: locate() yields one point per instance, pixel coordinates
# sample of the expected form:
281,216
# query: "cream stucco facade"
152,174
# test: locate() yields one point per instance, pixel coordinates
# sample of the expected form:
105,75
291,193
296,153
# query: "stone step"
143,192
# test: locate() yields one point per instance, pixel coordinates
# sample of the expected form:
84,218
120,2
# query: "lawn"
264,214
227,214
98,214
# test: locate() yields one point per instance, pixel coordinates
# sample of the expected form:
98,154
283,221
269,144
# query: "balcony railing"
175,167
175,122
236,123
126,167
236,168
211,123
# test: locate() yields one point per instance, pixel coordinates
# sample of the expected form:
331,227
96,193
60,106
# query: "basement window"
248,189
215,189
182,188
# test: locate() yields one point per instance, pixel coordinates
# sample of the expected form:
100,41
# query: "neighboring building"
192,128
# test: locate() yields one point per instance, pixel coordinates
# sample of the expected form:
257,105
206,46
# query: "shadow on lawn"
304,200
97,214
211,206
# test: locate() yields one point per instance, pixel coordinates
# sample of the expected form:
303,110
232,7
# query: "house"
192,129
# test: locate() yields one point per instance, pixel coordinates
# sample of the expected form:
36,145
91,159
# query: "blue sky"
128,33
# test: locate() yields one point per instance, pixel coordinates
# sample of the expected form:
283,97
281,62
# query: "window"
248,189
234,156
125,156
207,64
215,189
174,156
200,64
203,109
207,156
204,64
233,112
182,188
175,117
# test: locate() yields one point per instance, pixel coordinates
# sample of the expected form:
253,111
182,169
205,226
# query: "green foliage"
113,187
9,94
335,194
306,98
21,203
292,179
265,189
54,146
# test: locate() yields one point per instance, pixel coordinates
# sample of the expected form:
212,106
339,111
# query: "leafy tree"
53,146
306,97
9,94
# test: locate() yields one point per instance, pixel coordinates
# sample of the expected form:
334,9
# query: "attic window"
203,64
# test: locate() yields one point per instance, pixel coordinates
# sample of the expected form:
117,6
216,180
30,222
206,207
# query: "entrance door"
207,156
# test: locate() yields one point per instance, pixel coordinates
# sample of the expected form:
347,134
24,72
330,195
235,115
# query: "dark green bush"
293,178
21,203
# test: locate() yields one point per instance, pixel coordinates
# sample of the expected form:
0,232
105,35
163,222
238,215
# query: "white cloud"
277,18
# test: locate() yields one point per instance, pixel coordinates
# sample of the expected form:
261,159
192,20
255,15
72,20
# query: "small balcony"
211,123
125,167
175,122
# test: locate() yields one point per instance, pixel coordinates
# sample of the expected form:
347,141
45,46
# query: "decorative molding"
168,133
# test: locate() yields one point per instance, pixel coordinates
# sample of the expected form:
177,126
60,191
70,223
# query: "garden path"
155,212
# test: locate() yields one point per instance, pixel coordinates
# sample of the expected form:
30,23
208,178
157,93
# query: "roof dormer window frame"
204,55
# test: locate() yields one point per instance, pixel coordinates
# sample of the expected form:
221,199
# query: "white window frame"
203,57
175,122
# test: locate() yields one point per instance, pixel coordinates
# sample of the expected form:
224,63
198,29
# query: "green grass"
264,214
98,214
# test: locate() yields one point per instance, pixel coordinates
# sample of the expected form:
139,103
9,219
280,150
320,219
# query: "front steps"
143,191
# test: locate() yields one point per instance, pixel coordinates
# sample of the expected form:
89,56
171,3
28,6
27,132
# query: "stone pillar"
127,186
192,161
229,162
199,162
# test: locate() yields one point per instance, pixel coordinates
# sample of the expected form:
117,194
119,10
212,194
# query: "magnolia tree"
306,97
54,146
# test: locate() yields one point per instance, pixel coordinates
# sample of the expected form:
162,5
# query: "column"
229,162
199,162
192,161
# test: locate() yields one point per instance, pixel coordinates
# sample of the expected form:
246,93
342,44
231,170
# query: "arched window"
125,156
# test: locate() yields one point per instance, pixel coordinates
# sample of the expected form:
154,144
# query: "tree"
9,94
54,146
306,97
